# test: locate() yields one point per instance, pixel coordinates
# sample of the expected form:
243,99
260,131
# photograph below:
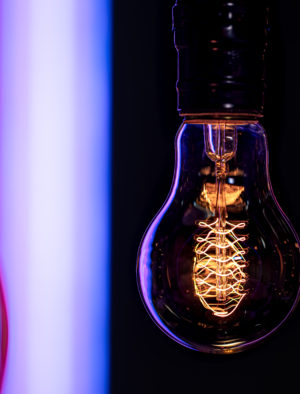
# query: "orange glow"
219,263
232,192
219,266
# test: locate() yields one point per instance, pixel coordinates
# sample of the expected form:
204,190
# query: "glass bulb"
218,267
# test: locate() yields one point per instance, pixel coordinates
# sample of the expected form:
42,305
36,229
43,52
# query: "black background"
144,360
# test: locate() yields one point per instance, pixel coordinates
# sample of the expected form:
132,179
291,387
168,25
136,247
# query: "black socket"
221,48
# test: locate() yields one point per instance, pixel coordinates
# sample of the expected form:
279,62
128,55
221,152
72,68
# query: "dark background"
144,360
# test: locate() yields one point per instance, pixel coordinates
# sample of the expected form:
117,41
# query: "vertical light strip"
55,180
52,224
93,176
14,187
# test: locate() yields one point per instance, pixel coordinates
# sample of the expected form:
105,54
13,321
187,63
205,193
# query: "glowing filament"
219,265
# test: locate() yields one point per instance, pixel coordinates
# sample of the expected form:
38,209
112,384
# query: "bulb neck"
215,118
221,116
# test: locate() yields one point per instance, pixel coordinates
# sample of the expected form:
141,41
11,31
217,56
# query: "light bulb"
218,267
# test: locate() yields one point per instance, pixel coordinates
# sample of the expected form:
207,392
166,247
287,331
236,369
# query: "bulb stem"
220,168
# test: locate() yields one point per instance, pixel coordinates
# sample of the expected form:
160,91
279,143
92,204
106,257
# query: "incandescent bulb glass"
218,267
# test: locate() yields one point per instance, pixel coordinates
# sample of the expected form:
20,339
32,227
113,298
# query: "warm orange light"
232,192
219,267
219,263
